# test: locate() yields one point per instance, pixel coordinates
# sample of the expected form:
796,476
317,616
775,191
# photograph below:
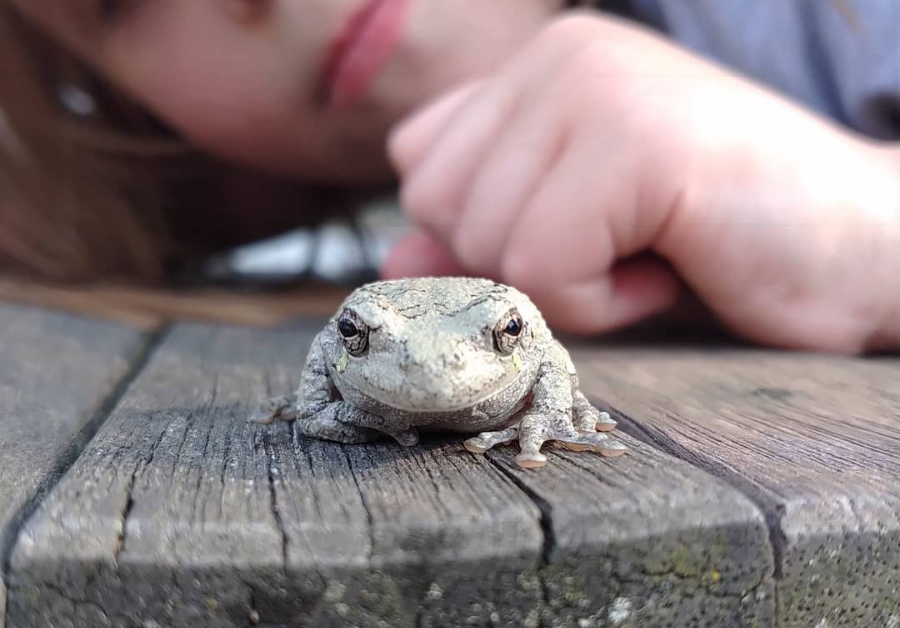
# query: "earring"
76,100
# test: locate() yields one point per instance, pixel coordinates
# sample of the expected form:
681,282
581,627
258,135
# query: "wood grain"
814,440
181,514
646,540
55,373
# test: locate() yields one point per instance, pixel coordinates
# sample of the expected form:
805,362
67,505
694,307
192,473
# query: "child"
574,154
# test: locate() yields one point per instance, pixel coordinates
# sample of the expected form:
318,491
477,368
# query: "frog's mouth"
437,397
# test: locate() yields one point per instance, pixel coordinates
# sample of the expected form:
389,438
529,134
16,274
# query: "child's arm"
600,142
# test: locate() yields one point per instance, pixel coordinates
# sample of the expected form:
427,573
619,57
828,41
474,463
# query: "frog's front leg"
345,423
319,420
538,428
351,415
319,415
560,413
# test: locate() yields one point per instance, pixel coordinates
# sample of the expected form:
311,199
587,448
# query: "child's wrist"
887,335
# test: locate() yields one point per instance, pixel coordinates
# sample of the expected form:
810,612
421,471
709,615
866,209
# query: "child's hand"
601,142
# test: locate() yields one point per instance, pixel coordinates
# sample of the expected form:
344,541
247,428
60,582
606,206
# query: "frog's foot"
535,430
486,440
277,409
407,437
587,418
324,427
350,415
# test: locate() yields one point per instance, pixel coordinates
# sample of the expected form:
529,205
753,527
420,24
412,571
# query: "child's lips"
361,49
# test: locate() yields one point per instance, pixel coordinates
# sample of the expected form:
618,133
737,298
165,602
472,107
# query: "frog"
462,355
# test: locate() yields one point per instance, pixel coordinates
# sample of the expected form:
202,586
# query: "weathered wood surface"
813,440
644,541
179,513
55,373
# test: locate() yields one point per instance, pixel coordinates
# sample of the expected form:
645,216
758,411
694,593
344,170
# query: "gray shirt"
838,57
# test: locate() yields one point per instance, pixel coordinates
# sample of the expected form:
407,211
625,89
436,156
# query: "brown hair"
78,197
114,193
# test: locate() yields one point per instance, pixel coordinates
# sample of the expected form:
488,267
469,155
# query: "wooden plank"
55,373
813,439
181,514
647,540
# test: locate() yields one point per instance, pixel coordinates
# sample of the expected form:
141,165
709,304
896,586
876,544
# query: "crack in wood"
772,511
129,491
269,450
548,542
10,535
365,504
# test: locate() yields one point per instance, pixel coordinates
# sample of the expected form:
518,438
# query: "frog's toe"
598,442
589,419
277,409
531,459
476,445
407,437
262,418
605,423
486,440
534,431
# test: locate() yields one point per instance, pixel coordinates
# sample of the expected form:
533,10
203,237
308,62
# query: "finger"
409,141
630,292
419,255
513,170
433,191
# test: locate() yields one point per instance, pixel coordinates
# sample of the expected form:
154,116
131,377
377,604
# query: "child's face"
247,79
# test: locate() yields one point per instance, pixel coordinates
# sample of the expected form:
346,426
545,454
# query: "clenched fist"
602,169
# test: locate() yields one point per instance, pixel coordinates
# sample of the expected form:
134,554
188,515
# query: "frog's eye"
347,328
508,332
353,332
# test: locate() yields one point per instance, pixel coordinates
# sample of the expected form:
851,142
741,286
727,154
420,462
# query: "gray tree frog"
450,353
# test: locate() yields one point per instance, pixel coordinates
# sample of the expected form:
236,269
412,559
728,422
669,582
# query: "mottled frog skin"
452,354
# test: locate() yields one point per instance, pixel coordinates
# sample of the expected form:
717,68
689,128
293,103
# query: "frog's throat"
465,404
509,385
